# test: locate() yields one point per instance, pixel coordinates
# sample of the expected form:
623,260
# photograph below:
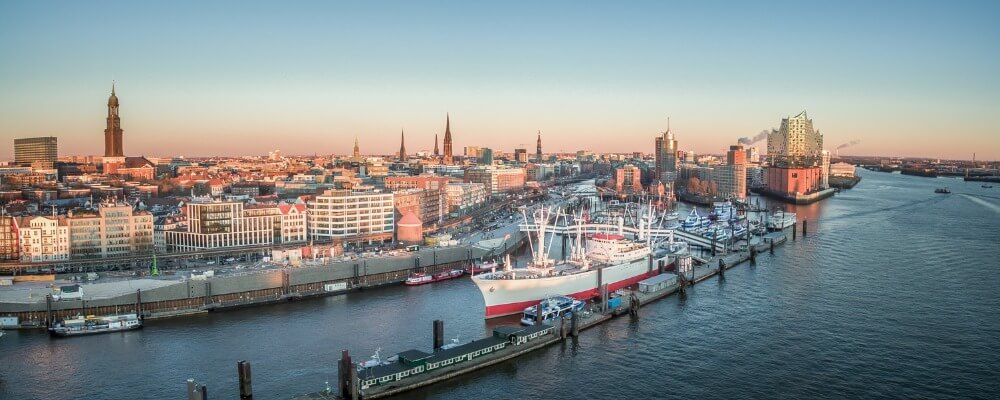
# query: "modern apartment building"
465,196
628,179
213,225
360,214
496,180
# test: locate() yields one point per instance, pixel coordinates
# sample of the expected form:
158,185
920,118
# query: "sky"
903,78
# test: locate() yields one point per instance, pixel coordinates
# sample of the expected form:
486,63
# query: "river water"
894,293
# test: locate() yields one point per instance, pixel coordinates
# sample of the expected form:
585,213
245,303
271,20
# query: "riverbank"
32,307
559,332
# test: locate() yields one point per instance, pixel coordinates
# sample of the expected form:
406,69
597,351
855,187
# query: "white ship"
606,258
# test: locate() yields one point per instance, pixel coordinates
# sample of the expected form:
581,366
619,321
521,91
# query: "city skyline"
309,81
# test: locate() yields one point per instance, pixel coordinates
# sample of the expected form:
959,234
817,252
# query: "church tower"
113,133
538,148
357,149
114,154
436,152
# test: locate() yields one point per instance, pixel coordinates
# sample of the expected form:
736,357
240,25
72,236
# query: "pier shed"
657,283
518,335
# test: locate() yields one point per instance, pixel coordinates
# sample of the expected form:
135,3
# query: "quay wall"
256,287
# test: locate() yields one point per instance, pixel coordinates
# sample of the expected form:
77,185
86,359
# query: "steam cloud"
758,137
849,144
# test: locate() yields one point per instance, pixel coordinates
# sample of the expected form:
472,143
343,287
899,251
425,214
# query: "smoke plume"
758,137
849,144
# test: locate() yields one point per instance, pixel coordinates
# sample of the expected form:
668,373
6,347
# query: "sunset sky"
905,78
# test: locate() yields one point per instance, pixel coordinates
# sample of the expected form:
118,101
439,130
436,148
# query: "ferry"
421,278
781,220
723,211
942,190
605,258
552,308
694,220
90,325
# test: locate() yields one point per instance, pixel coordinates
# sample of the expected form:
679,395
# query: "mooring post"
574,322
438,334
246,387
772,245
804,223
795,230
600,291
138,303
539,316
344,373
722,268
48,310
753,254
562,326
196,391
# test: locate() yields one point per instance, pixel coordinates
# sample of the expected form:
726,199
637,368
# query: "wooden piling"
246,387
438,334
772,246
804,230
48,310
138,303
574,322
795,230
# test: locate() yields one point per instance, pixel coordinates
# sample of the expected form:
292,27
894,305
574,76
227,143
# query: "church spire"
357,148
538,148
447,140
436,152
402,146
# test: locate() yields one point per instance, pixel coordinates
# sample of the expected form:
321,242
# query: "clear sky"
216,78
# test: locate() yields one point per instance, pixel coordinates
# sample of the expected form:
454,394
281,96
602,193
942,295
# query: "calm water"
895,293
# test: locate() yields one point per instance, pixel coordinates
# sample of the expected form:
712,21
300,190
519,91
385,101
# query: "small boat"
90,325
486,266
942,190
987,186
781,220
552,308
421,278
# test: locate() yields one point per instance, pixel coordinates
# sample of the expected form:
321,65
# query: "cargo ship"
422,278
606,258
90,325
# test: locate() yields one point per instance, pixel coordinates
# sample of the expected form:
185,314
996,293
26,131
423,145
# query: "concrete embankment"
189,296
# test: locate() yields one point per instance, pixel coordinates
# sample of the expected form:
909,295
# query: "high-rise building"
666,157
731,179
795,143
797,162
628,179
485,156
447,141
538,148
521,155
113,133
753,155
38,152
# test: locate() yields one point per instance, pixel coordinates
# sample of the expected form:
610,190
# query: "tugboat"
942,190
90,325
421,278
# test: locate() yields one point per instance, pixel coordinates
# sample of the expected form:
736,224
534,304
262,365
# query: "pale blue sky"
904,77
